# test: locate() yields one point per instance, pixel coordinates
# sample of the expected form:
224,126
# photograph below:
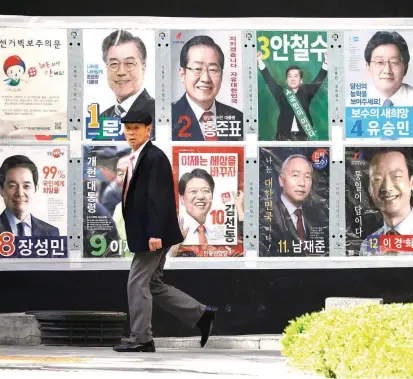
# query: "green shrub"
370,341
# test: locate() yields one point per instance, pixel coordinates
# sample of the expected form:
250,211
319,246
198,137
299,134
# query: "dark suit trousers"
144,285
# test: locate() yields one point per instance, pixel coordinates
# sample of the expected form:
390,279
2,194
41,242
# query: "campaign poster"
104,170
379,215
206,85
119,80
33,88
209,187
33,201
292,74
294,201
378,84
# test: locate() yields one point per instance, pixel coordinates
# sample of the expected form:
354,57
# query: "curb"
244,342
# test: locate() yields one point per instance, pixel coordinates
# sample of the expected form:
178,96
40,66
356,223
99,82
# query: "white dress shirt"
291,209
198,111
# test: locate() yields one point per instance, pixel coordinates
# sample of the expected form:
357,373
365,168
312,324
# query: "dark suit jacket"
182,108
283,228
39,227
150,209
304,94
143,103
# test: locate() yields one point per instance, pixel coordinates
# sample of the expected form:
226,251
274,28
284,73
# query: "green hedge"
370,341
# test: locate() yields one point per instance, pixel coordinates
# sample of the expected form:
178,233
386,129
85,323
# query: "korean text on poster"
119,68
292,86
33,88
33,202
104,171
378,84
294,201
379,215
209,185
206,85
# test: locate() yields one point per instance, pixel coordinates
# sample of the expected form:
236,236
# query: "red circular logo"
56,153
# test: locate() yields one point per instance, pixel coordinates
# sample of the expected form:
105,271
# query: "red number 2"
188,124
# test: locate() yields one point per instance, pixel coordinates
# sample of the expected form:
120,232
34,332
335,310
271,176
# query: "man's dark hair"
196,173
387,38
200,41
120,37
18,161
401,150
294,67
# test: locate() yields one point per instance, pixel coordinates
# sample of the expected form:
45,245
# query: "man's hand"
325,57
155,244
175,248
259,56
239,204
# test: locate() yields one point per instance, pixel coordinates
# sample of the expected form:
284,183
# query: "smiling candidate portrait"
18,184
197,111
390,187
125,59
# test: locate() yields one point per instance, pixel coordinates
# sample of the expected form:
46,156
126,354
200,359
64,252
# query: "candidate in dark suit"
197,116
125,58
288,126
293,219
151,223
18,184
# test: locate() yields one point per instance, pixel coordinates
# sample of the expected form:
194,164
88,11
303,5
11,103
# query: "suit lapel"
35,227
290,224
5,222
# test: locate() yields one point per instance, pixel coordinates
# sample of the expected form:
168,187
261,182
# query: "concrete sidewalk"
44,362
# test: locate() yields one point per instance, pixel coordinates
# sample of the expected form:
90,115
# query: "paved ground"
44,362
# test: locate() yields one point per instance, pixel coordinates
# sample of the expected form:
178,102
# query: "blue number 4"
357,128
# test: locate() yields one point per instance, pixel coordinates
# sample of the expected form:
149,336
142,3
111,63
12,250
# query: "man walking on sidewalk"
151,223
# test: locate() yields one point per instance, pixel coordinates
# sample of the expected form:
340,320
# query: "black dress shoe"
147,347
205,323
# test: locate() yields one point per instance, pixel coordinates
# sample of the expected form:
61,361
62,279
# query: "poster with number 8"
33,201
292,85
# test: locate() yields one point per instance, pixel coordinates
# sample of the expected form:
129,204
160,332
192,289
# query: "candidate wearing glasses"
387,60
195,114
125,59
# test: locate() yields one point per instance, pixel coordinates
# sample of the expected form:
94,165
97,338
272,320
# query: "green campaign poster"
292,85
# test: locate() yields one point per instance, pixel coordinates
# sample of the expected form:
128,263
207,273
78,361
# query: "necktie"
209,125
119,110
392,232
202,237
388,103
128,178
300,226
20,230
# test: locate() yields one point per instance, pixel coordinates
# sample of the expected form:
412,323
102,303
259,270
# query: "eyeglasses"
382,63
128,65
198,71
